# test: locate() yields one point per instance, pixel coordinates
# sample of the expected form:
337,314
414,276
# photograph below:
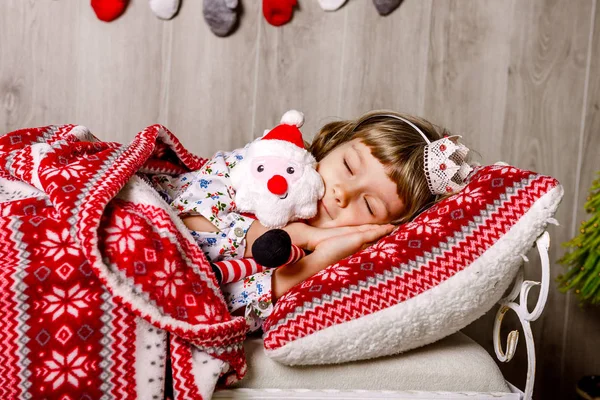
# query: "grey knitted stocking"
221,16
385,7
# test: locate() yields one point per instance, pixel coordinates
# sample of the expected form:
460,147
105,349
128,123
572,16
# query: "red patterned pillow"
426,280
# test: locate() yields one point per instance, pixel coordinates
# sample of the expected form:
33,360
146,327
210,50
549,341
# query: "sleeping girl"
379,171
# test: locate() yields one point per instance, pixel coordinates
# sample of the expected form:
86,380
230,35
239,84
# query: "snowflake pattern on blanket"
97,269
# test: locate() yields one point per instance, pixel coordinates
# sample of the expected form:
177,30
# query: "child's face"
357,189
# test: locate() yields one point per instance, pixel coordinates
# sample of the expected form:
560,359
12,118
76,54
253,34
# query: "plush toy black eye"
260,168
290,170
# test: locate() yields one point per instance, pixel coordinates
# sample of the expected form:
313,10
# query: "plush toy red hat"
288,130
284,140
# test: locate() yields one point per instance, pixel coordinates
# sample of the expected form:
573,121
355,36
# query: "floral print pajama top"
208,192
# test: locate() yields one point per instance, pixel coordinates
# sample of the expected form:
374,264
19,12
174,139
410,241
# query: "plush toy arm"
272,249
235,270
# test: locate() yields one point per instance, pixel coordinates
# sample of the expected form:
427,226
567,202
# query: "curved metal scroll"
521,290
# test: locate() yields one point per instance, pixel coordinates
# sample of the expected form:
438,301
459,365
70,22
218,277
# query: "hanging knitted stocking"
108,10
331,5
164,9
221,16
385,7
278,12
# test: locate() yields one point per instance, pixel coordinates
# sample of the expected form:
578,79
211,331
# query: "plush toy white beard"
272,211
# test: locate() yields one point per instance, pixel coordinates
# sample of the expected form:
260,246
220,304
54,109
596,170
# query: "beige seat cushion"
455,363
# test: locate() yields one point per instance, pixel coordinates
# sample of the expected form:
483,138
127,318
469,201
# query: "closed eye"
369,207
348,167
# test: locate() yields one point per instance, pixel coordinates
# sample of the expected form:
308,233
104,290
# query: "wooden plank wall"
517,78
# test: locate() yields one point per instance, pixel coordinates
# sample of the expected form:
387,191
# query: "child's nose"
341,195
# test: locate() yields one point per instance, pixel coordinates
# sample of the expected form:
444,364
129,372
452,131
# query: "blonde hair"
397,145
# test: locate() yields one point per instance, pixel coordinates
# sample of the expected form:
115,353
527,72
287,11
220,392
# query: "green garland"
583,259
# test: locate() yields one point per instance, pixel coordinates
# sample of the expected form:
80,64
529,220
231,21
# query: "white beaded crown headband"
445,163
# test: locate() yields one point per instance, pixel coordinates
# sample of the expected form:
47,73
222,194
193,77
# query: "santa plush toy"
277,180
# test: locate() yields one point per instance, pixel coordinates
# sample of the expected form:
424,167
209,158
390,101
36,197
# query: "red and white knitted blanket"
99,277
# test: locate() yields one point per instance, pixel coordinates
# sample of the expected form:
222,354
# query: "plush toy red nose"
277,185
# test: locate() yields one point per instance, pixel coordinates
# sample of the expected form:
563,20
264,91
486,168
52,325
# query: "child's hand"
333,249
327,252
309,237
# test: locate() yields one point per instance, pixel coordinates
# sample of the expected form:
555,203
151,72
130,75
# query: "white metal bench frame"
521,289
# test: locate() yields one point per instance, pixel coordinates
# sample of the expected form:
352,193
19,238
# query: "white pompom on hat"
293,117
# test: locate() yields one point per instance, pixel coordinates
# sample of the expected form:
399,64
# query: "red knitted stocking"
108,10
278,12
